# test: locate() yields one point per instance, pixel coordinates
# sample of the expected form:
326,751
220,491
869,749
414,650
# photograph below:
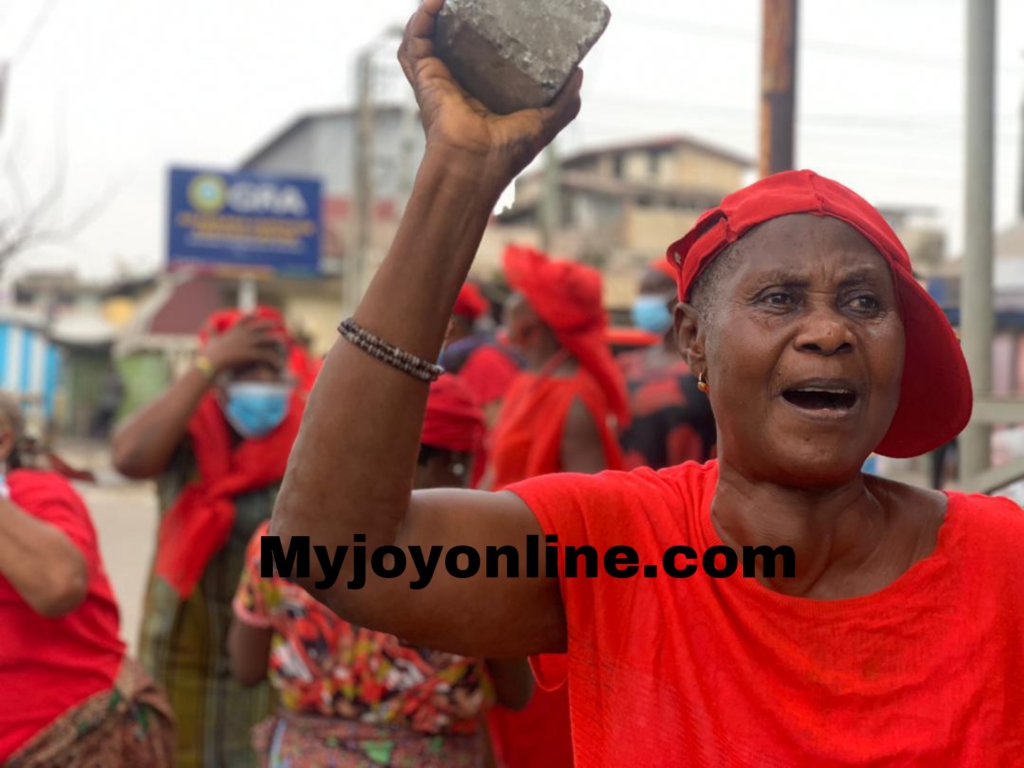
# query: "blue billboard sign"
244,221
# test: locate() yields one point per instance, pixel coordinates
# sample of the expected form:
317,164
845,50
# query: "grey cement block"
517,54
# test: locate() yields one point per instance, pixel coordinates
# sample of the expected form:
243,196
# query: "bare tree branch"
31,221
17,184
36,224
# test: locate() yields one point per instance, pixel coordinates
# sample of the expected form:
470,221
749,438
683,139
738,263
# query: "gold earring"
702,383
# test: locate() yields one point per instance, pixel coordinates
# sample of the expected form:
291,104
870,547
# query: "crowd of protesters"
238,670
789,344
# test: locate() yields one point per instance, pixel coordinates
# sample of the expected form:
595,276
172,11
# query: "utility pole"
355,263
778,87
551,201
976,317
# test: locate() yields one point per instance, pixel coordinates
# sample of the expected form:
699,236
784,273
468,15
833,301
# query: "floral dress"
351,696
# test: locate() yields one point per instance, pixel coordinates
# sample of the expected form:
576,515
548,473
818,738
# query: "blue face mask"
256,408
651,314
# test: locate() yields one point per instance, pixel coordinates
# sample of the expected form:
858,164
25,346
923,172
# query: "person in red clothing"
561,415
217,443
776,606
70,694
474,356
672,421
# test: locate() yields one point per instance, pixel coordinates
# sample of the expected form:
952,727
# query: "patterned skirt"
128,726
288,740
184,647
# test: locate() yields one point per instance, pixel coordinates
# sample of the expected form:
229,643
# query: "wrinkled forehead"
808,245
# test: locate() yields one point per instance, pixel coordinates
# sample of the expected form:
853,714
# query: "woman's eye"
866,302
778,299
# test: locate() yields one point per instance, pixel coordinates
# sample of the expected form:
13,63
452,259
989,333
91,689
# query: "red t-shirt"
725,673
49,665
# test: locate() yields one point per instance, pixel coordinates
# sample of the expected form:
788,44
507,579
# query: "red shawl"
199,523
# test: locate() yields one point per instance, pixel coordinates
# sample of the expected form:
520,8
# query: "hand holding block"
517,54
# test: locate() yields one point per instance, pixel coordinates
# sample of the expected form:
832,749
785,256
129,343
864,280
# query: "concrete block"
517,54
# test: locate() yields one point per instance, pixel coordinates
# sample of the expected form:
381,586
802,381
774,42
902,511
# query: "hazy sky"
129,87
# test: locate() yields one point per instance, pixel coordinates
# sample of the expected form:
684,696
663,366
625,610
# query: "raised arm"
351,469
145,445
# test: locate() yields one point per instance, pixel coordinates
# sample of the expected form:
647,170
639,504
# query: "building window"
618,162
654,164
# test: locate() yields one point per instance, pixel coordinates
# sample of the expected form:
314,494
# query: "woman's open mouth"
824,399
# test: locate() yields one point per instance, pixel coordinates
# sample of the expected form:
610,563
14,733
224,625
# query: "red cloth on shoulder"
199,523
726,673
50,665
527,442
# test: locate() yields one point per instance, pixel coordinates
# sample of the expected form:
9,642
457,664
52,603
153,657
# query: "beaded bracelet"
375,346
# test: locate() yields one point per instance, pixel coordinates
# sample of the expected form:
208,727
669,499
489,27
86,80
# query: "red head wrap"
299,362
454,420
226,319
199,523
567,296
936,396
470,303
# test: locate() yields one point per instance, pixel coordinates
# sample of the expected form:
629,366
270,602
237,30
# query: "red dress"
724,673
48,666
526,443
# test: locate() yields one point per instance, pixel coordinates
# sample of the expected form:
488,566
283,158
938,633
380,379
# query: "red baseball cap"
936,397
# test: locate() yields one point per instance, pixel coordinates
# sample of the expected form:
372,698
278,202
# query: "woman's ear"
689,335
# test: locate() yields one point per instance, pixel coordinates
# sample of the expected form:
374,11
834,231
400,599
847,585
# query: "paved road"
125,515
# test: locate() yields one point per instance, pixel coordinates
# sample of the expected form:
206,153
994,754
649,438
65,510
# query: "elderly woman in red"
895,636
69,696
